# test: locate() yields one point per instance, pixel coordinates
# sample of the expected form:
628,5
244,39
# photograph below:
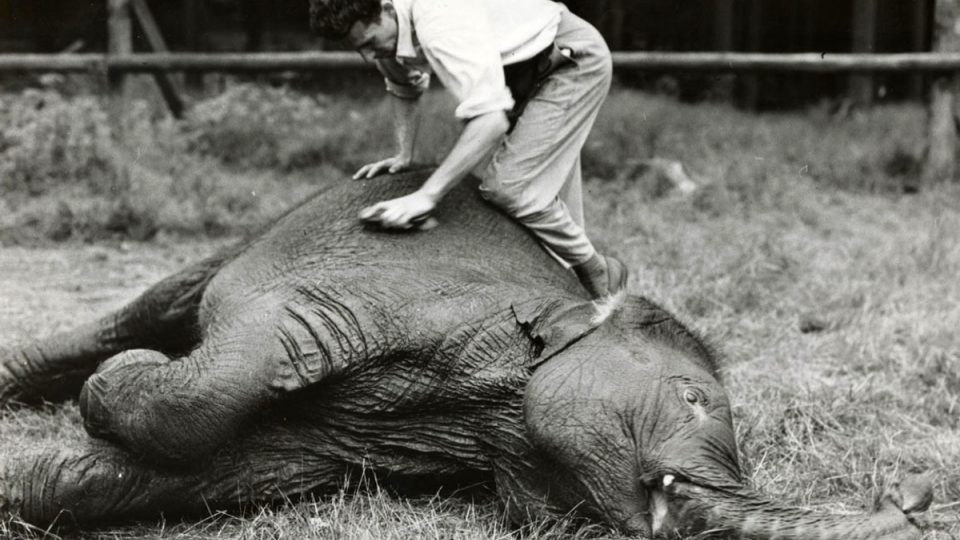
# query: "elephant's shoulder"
325,330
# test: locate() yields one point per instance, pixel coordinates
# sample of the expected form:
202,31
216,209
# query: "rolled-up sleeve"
402,81
457,40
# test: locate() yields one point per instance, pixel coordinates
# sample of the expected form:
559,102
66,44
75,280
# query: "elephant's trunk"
744,514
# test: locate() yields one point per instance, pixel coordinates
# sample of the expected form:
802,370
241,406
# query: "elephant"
323,344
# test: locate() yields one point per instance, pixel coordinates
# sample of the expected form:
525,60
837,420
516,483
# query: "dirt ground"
50,289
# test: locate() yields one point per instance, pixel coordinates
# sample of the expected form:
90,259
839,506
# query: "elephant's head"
631,424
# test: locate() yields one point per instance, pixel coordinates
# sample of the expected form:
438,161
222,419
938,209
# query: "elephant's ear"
555,324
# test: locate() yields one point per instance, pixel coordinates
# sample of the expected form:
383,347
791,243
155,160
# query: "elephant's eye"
693,397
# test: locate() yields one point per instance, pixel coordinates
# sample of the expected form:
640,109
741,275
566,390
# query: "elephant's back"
323,237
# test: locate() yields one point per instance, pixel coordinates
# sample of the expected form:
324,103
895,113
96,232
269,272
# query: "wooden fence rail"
630,61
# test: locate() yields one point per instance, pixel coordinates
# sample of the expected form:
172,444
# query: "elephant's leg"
164,318
254,351
96,482
174,411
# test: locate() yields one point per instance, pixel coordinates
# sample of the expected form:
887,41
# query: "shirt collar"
407,46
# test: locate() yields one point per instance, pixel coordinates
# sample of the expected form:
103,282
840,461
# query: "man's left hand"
401,213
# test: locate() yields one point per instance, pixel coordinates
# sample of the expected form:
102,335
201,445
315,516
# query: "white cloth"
466,43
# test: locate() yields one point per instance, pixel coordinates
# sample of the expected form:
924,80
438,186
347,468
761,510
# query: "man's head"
368,26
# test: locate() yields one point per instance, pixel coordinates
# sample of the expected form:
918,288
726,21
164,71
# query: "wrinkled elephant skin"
322,345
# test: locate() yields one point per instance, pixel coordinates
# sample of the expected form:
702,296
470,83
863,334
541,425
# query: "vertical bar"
724,85
40,14
120,43
168,89
119,27
918,43
615,27
864,41
253,19
811,42
751,82
941,161
723,25
192,14
942,137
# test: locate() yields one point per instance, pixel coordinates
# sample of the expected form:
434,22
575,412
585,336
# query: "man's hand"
391,165
401,213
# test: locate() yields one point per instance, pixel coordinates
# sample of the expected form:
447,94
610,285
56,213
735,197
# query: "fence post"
941,156
192,22
919,37
751,81
120,42
723,27
864,41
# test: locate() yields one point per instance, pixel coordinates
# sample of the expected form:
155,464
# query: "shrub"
46,139
239,156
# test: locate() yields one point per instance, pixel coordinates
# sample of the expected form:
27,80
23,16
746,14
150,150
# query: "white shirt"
466,43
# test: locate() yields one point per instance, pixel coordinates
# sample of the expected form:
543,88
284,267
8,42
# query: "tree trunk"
941,158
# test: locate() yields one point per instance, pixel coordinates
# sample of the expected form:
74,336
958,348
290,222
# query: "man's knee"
535,214
504,197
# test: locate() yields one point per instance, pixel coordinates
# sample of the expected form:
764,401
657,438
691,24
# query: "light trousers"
534,174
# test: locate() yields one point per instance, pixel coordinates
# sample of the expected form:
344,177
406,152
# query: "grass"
831,292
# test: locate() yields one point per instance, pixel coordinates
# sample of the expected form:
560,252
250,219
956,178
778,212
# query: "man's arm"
406,124
479,137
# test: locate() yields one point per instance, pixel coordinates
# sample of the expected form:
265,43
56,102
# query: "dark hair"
334,18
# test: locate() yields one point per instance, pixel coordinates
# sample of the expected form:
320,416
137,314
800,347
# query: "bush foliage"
245,154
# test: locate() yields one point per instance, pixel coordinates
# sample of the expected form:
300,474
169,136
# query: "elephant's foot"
103,390
131,401
90,482
85,483
36,486
170,411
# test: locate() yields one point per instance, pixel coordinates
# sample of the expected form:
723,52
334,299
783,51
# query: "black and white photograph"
480,269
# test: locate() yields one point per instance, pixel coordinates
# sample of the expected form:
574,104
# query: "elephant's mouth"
667,496
659,510
658,507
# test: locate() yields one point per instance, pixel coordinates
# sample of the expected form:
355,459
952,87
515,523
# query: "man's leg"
572,194
537,168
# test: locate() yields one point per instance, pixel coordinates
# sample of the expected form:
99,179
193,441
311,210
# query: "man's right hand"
390,165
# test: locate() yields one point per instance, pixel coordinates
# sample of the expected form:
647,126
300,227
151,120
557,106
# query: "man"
529,77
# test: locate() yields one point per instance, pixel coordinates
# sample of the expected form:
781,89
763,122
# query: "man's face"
376,39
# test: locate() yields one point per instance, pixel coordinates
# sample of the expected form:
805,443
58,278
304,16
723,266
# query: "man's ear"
555,324
388,8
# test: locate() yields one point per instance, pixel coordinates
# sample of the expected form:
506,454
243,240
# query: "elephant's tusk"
658,509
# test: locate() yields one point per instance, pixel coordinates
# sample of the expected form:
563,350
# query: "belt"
526,77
